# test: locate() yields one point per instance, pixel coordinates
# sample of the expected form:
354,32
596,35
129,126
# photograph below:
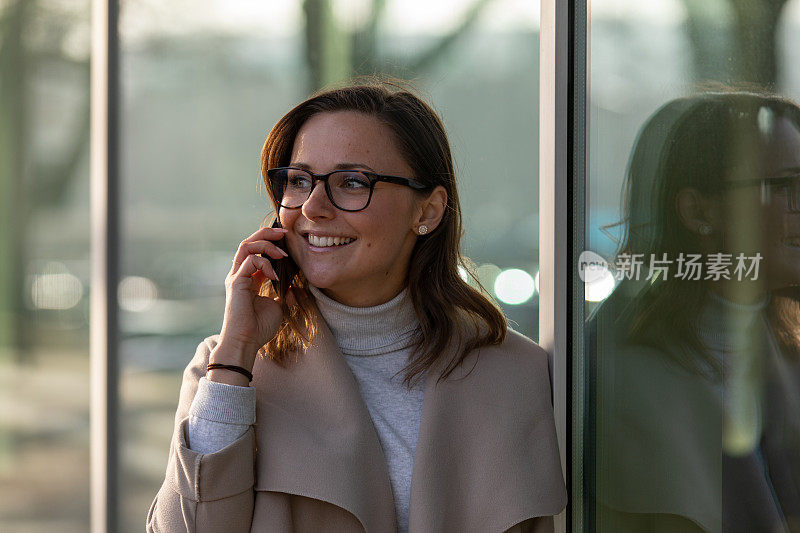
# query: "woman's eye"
355,183
299,182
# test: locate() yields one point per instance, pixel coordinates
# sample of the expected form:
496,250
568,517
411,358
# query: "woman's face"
371,269
769,228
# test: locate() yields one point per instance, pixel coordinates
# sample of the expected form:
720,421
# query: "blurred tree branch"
32,38
13,137
425,60
365,41
53,177
755,40
747,52
324,38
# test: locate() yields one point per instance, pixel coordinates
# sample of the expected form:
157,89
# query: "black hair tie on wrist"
231,367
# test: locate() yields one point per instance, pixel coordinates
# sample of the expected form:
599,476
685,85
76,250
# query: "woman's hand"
250,320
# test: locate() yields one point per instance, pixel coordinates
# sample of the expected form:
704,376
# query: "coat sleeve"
204,492
540,524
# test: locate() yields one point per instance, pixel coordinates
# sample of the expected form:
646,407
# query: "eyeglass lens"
790,189
348,189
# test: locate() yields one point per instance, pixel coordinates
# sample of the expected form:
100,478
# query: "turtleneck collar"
725,325
376,330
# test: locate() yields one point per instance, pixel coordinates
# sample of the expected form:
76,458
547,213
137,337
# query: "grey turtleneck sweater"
727,329
735,334
376,343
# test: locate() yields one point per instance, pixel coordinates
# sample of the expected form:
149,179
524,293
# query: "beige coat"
486,458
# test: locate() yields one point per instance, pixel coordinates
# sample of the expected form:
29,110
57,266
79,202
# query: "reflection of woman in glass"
698,401
387,394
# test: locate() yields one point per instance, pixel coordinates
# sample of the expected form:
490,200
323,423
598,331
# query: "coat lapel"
316,437
486,456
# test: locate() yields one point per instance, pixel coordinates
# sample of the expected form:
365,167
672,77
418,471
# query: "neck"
725,324
741,292
363,298
373,330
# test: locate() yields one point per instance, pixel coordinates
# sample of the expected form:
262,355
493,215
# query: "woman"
328,437
696,376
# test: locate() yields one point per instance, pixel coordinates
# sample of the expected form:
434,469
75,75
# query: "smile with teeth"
328,241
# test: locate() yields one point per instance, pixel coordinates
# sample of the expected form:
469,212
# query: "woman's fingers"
259,277
266,233
265,267
253,264
256,247
272,249
262,235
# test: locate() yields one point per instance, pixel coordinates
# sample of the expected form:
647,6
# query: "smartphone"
285,268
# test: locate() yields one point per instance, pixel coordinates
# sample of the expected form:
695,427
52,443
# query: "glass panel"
692,320
44,266
203,83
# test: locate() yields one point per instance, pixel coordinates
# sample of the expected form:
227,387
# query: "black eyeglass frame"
790,180
371,176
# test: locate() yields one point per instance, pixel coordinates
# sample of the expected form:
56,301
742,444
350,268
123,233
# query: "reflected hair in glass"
703,141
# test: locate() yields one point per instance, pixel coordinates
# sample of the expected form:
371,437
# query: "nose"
318,205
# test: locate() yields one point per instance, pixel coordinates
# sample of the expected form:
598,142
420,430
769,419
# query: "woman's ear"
698,213
431,210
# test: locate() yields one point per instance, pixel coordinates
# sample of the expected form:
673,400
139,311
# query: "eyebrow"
339,166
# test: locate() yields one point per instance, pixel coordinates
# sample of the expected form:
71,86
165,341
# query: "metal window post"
103,327
555,215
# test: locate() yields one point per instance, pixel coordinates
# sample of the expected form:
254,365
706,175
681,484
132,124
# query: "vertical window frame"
104,249
563,148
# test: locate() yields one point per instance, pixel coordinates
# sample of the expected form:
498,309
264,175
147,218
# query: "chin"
320,284
319,281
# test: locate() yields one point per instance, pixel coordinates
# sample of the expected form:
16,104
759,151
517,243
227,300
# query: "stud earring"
422,229
705,229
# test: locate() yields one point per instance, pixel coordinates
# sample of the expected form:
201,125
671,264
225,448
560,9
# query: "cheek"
289,218
753,227
384,232
770,235
381,245
392,251
778,256
390,230
293,245
375,242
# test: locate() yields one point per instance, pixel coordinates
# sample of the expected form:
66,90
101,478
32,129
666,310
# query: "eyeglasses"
788,186
348,190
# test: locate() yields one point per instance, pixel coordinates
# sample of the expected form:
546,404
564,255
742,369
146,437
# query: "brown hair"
441,298
783,313
696,141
